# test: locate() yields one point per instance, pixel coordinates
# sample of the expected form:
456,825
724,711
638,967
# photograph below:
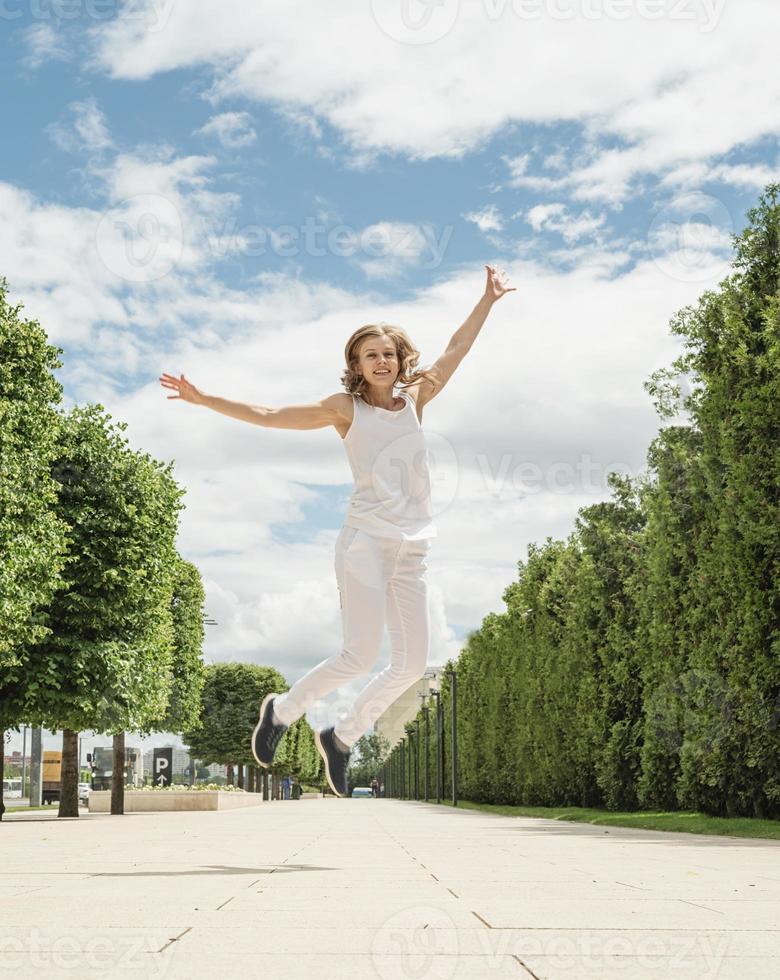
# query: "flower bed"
175,798
185,788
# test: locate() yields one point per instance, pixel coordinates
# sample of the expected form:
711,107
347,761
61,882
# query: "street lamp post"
411,771
454,700
416,758
426,713
439,764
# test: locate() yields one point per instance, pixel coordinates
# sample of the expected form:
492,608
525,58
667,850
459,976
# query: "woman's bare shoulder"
341,401
421,391
342,406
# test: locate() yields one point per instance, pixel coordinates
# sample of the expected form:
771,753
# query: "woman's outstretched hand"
495,287
186,391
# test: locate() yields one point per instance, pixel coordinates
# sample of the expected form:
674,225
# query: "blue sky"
602,161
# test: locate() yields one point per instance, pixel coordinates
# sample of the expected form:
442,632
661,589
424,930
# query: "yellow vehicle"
52,776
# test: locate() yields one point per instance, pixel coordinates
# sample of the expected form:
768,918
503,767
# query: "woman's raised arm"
313,416
460,343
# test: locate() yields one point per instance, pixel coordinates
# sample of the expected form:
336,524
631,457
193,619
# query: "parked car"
84,789
362,791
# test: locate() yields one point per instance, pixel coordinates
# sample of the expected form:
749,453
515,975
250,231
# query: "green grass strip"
24,809
683,821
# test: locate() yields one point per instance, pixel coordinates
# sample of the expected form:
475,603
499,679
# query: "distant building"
404,709
181,759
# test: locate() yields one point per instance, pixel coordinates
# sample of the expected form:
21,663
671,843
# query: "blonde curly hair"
407,353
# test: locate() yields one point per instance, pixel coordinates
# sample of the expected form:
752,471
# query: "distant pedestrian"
374,787
286,786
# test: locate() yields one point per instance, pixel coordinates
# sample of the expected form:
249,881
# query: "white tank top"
389,459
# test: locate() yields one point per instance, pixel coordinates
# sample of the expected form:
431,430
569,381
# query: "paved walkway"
379,888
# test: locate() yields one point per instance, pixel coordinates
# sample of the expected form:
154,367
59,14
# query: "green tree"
32,536
731,745
189,672
229,705
370,754
106,664
187,668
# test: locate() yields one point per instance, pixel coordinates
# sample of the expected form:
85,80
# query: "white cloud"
87,129
555,217
541,214
669,93
44,44
563,367
488,219
552,386
396,246
232,129
752,177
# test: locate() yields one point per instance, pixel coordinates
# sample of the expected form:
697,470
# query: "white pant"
379,579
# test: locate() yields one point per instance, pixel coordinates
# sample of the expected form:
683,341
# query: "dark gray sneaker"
267,733
336,760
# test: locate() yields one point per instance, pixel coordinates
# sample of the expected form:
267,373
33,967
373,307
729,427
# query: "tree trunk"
2,769
265,784
118,775
69,775
229,774
250,779
240,776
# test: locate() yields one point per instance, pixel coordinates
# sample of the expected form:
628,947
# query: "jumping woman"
382,548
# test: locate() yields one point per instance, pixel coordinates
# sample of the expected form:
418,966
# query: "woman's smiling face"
378,361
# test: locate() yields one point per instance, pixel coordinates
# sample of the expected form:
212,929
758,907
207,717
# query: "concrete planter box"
136,802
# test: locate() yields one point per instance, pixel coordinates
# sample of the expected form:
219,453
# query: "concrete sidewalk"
364,888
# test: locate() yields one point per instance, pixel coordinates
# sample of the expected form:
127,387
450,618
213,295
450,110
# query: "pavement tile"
381,889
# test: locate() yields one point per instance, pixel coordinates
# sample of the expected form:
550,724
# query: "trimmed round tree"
32,536
107,663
